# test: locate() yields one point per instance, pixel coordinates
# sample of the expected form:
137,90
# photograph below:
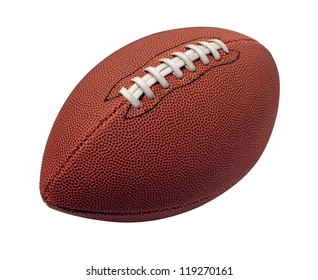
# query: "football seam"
160,53
76,149
70,210
179,87
72,153
143,66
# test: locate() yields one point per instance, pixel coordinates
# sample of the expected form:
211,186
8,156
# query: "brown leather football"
161,126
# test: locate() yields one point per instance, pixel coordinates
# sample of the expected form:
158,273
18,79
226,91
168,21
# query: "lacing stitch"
157,75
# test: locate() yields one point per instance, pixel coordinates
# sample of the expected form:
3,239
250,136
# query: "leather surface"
107,160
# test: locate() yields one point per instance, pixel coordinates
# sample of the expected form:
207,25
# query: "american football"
161,126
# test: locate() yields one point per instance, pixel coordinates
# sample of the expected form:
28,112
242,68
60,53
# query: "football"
161,126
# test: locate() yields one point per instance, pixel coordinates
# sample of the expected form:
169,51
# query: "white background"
265,227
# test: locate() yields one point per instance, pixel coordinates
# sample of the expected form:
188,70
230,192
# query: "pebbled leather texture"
106,160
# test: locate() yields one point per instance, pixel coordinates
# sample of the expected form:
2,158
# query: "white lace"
157,75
